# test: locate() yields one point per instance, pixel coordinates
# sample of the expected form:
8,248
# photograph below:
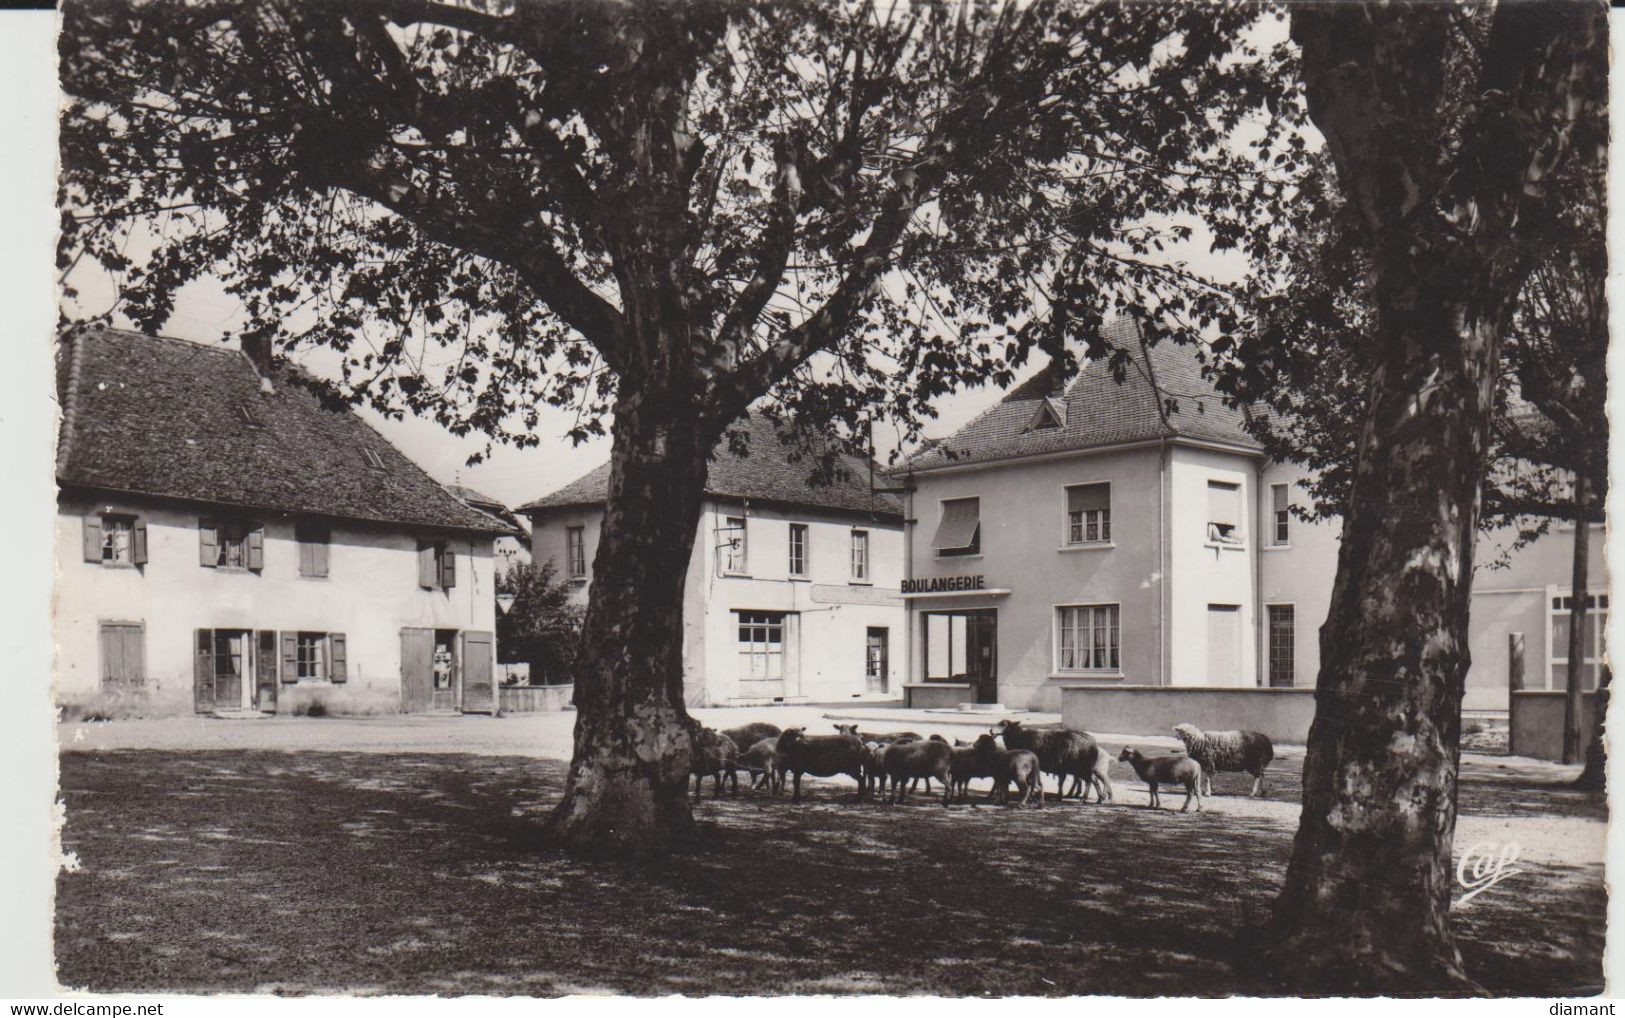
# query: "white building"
1136,534
792,588
227,542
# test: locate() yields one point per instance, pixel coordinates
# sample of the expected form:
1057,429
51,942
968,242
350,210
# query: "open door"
417,670
265,672
479,683
203,671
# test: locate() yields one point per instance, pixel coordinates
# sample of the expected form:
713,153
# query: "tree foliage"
542,627
854,207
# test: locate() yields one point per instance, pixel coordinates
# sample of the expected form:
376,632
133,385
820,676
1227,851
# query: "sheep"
874,767
927,758
1172,770
1063,752
821,755
1228,751
884,738
1007,765
762,760
714,754
964,764
749,735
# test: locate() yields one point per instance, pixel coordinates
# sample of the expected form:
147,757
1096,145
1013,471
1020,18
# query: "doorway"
876,663
963,646
447,670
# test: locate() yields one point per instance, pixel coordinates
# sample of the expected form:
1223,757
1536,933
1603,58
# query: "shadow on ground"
320,872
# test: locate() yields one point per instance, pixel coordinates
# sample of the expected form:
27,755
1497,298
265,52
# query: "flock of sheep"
893,763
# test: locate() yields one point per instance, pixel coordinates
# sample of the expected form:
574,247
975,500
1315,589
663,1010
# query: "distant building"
512,546
229,542
1101,533
792,588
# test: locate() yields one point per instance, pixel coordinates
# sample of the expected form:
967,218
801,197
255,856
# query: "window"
311,656
313,540
1595,639
734,559
1089,514
231,544
124,655
1282,659
1224,513
575,552
115,540
250,418
374,460
437,565
1087,637
860,556
960,530
761,645
798,549
1280,516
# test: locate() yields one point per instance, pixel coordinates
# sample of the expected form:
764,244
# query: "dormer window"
1051,413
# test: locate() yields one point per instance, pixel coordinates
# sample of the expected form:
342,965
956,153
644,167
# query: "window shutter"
448,567
426,577
290,657
256,548
318,555
208,544
93,538
138,542
203,669
306,565
335,657
1086,497
1221,502
1278,497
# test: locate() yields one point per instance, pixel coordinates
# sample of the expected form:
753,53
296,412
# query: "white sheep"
1228,751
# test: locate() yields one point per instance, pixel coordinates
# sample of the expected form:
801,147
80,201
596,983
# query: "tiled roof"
770,470
1163,395
173,419
492,507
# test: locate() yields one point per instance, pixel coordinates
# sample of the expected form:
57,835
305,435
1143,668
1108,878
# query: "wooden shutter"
256,548
448,566
138,542
479,690
290,657
112,655
960,519
417,672
318,553
306,565
426,566
203,670
265,670
336,657
208,544
93,537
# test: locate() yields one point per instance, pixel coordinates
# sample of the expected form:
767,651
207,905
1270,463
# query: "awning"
1087,497
960,519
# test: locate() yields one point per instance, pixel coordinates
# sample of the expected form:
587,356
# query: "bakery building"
1135,535
793,588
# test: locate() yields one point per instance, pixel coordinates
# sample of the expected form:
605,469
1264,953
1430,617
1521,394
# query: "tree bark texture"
625,791
1365,907
1575,688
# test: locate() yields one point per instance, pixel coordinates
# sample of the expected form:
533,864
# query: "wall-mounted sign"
941,584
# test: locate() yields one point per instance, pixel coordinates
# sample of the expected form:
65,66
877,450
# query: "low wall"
532,699
933,695
1282,714
1537,722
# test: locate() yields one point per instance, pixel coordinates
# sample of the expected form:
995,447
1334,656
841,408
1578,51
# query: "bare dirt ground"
367,856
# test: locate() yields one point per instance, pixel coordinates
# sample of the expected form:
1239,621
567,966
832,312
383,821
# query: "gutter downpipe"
908,571
1165,596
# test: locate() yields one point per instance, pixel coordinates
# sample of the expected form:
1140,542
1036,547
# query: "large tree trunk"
1367,896
1577,624
625,789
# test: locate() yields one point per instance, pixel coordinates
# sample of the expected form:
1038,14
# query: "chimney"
257,349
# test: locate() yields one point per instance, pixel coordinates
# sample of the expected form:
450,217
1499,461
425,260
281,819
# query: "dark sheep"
820,755
923,759
884,738
1063,752
964,764
747,736
714,754
1250,752
1007,765
1170,770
